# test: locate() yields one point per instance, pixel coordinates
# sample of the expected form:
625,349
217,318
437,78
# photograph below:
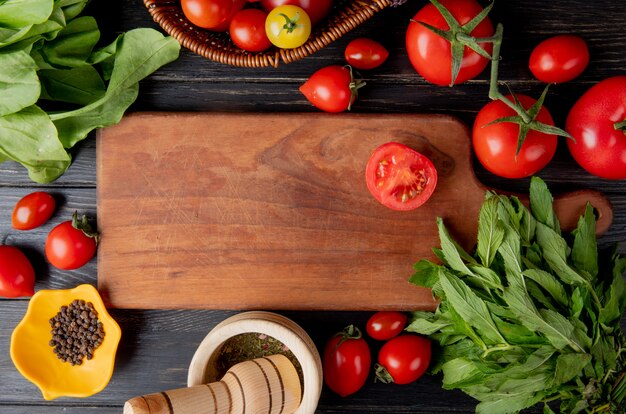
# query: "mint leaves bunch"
533,315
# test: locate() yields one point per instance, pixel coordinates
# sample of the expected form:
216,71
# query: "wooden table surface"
157,345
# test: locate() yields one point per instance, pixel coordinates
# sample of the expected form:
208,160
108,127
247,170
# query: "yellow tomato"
288,26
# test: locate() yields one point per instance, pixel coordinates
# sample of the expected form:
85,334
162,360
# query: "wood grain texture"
157,345
270,211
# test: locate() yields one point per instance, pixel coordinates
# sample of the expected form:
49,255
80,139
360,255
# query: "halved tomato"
399,177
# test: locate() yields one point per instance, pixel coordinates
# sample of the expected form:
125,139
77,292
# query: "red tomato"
33,210
331,89
363,53
399,177
347,361
559,59
71,244
17,276
495,145
247,30
316,9
598,124
385,325
430,54
404,358
211,14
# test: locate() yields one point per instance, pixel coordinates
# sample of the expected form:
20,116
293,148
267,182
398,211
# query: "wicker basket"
344,16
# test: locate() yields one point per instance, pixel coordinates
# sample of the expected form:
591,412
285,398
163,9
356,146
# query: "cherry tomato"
17,276
598,124
332,89
33,210
363,53
430,53
403,359
399,177
288,27
211,14
559,59
495,145
71,244
385,325
247,30
316,9
347,361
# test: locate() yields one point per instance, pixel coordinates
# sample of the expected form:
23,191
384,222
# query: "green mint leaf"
585,249
520,302
517,334
470,308
488,278
613,308
426,323
569,366
555,252
510,251
426,274
548,282
490,231
541,204
563,326
453,254
537,294
462,372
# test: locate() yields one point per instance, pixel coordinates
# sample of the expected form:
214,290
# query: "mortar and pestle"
268,384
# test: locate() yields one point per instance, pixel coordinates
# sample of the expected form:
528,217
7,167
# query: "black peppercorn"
76,332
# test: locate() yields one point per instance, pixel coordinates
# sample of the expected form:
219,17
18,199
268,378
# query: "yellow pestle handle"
263,385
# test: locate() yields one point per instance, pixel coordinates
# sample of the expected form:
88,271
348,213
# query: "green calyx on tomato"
349,332
288,26
620,126
460,36
84,226
525,118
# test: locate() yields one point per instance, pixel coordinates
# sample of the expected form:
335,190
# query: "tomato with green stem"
17,276
559,59
332,89
597,121
71,244
403,359
288,27
400,177
214,15
385,325
496,144
449,41
346,362
32,210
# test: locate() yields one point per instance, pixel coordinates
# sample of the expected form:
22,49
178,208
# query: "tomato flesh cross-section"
399,177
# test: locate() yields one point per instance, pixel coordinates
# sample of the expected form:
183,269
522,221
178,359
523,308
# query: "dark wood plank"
32,242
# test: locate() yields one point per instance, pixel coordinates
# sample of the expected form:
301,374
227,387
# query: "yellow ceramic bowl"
34,357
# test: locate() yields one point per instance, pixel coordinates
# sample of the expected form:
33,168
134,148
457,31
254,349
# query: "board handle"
269,385
570,206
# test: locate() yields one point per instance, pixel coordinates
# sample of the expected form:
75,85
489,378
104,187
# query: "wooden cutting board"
271,211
